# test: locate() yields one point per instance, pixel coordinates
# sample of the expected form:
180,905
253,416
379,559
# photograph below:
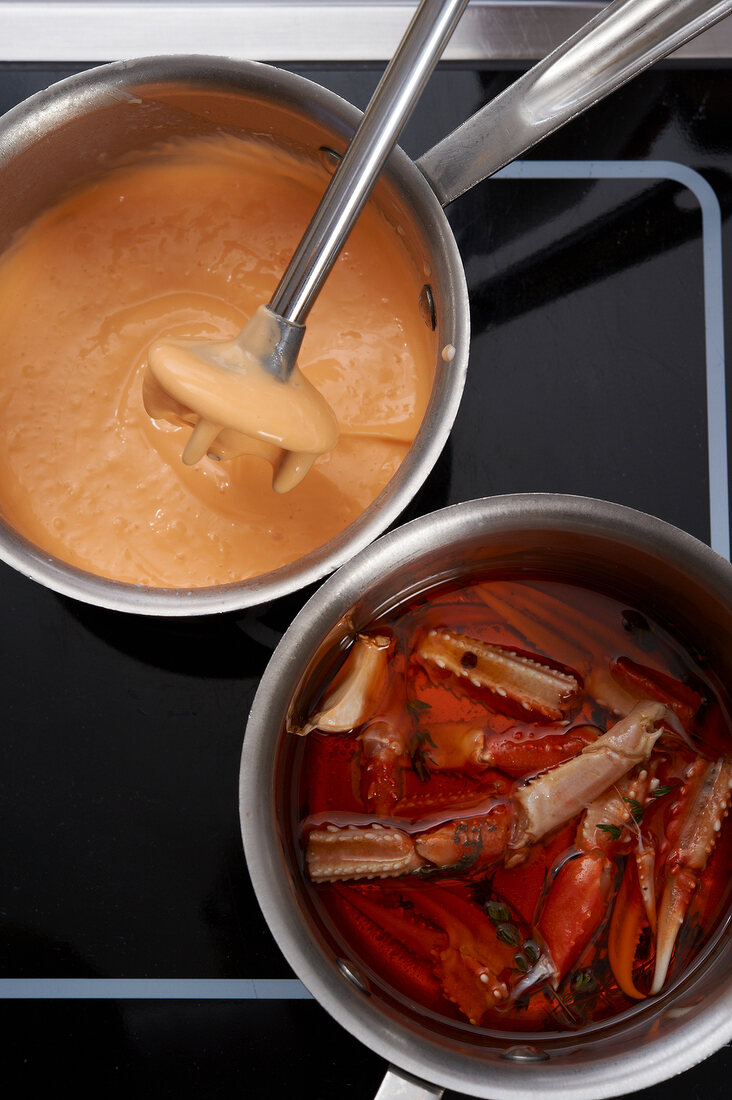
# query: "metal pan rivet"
525,1054
427,306
329,158
354,976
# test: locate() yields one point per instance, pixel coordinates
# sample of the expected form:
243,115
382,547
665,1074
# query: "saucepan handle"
398,1085
620,42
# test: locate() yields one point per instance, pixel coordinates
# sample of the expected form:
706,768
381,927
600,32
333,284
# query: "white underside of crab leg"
337,854
526,681
556,796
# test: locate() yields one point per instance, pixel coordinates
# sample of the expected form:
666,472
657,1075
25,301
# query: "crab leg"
467,843
377,851
507,829
368,684
558,795
384,746
577,899
647,683
337,854
468,968
518,751
524,680
705,802
441,933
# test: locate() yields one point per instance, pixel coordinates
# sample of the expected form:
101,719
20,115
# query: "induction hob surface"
134,956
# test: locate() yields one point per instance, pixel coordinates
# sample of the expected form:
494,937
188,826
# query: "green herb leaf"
612,830
521,962
509,933
661,792
584,981
636,809
421,759
532,952
421,762
416,706
498,913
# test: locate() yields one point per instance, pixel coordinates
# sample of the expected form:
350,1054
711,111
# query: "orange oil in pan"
562,931
186,242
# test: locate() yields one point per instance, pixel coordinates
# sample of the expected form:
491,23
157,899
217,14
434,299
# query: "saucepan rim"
75,95
277,892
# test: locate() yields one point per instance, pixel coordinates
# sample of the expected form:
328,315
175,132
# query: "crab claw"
574,909
576,904
625,930
645,865
705,802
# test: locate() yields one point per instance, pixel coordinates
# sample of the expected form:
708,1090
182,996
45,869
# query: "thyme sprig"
417,747
584,981
509,934
528,953
416,706
418,742
637,809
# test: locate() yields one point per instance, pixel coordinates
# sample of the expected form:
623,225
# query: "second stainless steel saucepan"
60,138
642,560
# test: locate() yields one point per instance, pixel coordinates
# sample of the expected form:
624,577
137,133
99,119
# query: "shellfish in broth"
512,803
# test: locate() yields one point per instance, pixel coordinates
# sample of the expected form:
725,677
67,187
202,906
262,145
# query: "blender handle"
398,1085
423,43
623,40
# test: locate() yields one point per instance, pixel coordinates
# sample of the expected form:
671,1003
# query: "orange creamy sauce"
186,244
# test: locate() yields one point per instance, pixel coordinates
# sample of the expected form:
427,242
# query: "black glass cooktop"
134,957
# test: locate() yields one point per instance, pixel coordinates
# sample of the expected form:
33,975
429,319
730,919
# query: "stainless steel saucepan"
66,135
676,579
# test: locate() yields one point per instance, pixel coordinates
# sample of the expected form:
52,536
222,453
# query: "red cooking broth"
418,935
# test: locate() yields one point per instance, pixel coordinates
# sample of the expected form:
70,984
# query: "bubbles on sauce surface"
437,836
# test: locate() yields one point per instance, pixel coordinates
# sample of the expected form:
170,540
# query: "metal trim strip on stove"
113,30
292,989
